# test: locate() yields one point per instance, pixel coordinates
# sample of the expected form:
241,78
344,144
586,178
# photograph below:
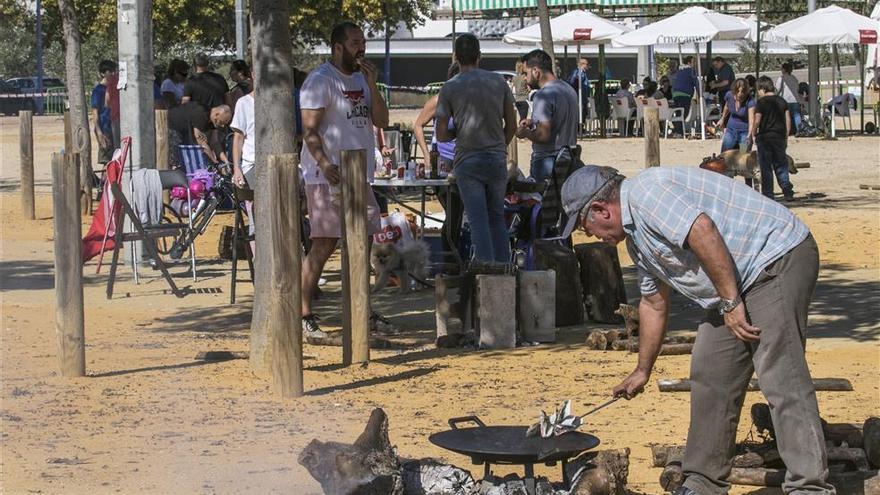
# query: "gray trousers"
722,365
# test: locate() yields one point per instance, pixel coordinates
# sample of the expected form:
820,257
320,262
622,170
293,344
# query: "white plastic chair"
668,114
623,113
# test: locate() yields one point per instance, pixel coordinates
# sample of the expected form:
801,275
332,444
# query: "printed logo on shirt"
360,112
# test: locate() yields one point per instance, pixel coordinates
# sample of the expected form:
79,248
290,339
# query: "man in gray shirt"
480,104
554,115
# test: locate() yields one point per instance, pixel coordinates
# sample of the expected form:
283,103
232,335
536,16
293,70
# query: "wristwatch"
728,305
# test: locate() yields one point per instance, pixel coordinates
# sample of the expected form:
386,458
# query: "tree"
546,35
80,139
273,95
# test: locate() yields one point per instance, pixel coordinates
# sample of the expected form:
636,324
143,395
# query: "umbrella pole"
580,86
700,92
680,58
601,91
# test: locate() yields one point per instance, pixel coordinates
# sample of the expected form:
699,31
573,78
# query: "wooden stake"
652,137
26,141
69,315
356,253
162,151
283,258
820,384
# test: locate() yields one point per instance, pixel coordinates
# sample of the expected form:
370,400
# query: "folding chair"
149,234
193,158
240,233
112,175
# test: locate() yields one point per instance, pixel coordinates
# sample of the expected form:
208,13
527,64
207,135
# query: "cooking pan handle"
453,422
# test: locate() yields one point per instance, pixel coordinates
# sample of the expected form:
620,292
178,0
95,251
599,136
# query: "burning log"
599,473
821,385
369,466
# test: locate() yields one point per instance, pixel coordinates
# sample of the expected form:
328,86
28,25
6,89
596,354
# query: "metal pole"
813,70
39,37
860,63
700,93
758,39
387,55
241,35
453,30
580,85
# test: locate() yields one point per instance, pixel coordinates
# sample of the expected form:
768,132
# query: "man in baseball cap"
752,265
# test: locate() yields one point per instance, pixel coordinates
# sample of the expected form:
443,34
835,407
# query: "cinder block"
496,295
537,306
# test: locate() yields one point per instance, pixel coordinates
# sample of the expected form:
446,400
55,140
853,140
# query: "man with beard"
554,115
752,265
340,104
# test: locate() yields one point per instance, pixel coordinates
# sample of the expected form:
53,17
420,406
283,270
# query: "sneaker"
311,328
789,197
380,324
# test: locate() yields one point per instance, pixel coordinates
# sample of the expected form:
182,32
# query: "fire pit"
489,445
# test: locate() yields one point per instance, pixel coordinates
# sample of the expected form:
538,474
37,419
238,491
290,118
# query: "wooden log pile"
853,460
627,338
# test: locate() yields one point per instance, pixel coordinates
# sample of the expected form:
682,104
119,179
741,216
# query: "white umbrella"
692,25
831,25
574,27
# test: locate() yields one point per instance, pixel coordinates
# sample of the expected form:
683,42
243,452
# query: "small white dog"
411,258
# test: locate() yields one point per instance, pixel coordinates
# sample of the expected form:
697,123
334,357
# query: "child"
773,123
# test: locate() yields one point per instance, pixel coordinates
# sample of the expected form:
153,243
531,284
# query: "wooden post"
26,141
652,137
69,317
283,309
162,152
356,254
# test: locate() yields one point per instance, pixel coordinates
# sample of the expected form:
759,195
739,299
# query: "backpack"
552,215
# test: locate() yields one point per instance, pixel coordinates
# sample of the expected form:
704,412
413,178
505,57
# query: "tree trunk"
369,466
79,116
274,135
546,35
602,281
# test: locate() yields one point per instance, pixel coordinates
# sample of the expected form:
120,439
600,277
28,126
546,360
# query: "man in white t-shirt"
243,153
340,104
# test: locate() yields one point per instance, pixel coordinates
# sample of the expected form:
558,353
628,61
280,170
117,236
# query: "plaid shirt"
659,206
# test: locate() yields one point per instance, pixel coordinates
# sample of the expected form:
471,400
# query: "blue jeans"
772,159
733,138
542,168
795,110
482,182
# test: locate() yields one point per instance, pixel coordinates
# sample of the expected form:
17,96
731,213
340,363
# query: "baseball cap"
579,189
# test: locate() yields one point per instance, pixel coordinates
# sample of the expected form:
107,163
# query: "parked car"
26,87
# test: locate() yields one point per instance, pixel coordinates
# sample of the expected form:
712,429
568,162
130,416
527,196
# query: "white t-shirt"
347,122
243,121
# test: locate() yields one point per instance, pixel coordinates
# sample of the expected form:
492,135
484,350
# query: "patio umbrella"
576,27
693,25
831,25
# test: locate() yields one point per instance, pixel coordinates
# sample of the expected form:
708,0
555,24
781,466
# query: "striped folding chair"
193,158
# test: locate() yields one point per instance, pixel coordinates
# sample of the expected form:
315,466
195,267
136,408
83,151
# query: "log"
599,473
285,324
536,305
26,145
368,466
670,349
871,436
672,476
69,311
496,294
356,254
846,483
601,280
550,255
630,316
663,455
619,345
873,187
756,476
597,341
821,385
652,137
840,433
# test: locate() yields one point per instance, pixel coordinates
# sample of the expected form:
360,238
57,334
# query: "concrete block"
537,306
496,296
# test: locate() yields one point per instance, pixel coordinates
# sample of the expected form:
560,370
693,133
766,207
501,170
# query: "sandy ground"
149,418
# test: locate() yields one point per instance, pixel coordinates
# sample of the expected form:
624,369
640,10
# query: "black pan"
509,444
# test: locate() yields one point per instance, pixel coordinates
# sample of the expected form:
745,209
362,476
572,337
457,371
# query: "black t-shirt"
772,109
185,117
206,88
